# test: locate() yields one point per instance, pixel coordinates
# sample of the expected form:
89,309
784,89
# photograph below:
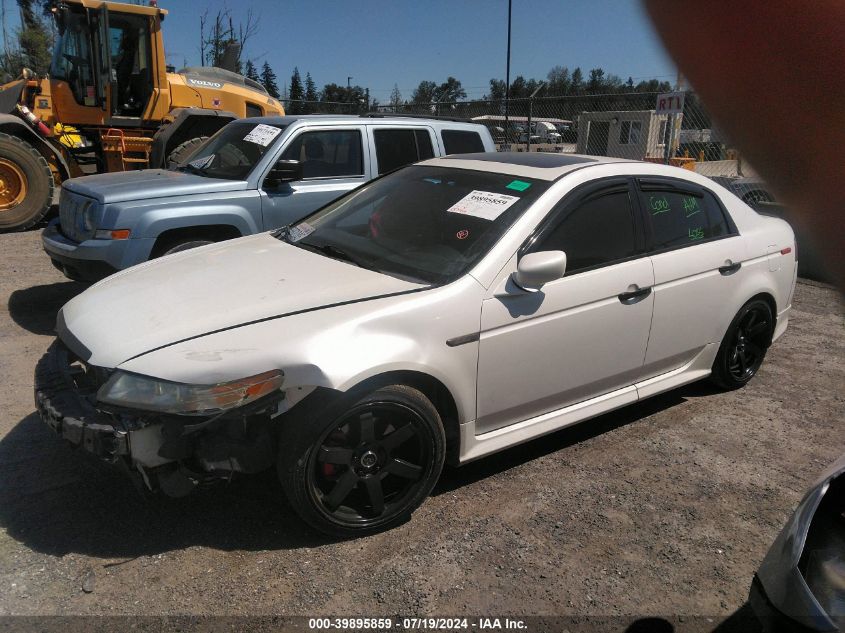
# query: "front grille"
72,208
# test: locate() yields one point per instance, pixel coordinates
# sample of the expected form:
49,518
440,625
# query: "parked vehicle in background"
449,310
110,103
800,587
243,180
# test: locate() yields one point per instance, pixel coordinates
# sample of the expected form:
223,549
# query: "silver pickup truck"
253,175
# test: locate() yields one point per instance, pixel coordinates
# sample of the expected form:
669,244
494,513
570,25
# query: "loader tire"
26,184
183,150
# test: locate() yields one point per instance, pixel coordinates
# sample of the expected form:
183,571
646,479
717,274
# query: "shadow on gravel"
35,308
57,500
454,478
742,620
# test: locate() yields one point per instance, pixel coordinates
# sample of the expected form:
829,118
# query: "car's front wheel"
744,346
366,468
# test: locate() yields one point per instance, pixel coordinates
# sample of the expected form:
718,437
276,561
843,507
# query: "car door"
581,336
334,160
697,255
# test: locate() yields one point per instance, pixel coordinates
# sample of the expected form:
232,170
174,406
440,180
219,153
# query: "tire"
26,184
182,245
364,464
744,346
184,150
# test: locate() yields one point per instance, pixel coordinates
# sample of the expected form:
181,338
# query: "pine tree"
311,96
251,72
268,79
296,93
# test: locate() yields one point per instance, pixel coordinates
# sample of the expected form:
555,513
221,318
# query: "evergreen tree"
251,71
296,93
311,95
268,80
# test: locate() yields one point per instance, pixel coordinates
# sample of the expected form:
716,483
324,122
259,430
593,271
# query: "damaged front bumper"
163,452
60,398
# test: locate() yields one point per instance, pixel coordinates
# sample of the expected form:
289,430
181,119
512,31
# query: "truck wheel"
26,184
183,150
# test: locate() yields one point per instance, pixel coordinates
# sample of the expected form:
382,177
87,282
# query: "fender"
14,126
187,123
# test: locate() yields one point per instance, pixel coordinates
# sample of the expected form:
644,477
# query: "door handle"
730,269
630,298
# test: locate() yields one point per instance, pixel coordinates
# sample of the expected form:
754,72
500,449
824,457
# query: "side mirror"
283,171
536,269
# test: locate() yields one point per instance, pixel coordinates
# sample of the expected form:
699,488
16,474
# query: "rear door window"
681,216
462,142
397,147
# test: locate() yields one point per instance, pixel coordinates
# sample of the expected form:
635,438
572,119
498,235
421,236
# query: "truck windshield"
72,59
232,153
421,223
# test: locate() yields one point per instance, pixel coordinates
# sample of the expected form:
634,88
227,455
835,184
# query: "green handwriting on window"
691,206
658,204
696,234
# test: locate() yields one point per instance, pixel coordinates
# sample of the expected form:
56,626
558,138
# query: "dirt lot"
665,507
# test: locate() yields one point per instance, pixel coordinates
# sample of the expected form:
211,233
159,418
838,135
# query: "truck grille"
72,220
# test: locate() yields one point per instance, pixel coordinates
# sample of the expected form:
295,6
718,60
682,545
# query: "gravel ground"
662,508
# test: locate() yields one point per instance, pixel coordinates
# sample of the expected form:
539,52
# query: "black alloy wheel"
744,346
371,466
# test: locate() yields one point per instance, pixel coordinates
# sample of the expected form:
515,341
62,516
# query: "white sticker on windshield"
483,204
299,231
202,163
262,134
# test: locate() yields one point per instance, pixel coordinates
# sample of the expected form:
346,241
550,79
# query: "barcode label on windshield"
483,204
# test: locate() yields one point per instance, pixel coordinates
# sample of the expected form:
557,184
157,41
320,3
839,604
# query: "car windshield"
233,151
425,224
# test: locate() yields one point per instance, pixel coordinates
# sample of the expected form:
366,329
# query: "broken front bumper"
63,386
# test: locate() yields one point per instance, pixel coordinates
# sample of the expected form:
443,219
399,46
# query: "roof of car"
539,165
362,119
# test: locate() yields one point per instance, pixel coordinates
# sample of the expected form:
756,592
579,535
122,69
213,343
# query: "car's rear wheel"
744,346
367,468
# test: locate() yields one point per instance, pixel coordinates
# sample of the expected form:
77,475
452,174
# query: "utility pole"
508,75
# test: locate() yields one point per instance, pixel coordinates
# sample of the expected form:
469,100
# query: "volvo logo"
205,84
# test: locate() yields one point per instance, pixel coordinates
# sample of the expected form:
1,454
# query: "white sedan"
443,312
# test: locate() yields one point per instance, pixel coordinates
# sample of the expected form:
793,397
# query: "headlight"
89,215
151,394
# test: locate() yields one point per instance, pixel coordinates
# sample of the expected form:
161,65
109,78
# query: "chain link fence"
622,125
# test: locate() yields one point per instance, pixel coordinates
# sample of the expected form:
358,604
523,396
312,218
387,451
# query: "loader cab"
103,69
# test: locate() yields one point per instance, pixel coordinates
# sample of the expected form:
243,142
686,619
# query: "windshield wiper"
282,233
192,169
330,250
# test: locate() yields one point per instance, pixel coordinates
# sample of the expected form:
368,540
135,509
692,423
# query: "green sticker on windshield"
519,185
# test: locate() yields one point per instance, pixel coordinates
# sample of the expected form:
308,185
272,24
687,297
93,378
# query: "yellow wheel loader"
110,103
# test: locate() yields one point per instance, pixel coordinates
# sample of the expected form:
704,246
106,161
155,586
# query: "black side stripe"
462,340
278,316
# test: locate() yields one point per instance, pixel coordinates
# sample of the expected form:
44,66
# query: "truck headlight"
89,215
152,394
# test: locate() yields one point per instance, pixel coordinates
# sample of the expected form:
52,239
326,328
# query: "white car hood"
206,290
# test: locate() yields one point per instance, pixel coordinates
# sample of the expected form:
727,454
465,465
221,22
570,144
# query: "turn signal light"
117,234
786,251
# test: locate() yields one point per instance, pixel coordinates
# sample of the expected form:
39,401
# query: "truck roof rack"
379,115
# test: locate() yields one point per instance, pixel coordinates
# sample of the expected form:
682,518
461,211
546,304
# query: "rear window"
401,146
462,142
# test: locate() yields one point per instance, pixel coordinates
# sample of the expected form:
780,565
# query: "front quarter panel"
342,346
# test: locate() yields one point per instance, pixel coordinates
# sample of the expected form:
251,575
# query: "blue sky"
380,43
